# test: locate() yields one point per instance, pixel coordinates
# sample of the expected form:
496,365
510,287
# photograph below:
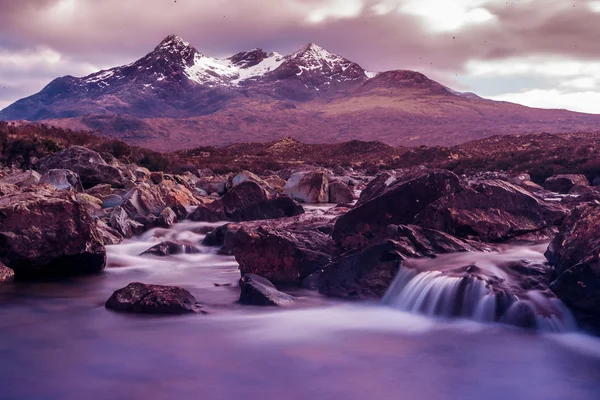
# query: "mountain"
176,97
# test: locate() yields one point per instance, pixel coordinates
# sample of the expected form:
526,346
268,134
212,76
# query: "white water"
441,287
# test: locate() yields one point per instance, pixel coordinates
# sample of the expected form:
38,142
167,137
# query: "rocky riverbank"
57,218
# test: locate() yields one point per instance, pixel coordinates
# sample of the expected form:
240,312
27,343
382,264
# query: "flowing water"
57,341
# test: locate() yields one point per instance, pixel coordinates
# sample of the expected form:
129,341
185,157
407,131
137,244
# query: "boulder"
23,179
276,182
246,202
308,187
141,174
88,164
258,291
100,190
153,299
46,233
564,183
575,253
247,176
171,247
6,274
282,251
167,218
492,210
91,203
368,272
109,235
62,179
340,193
398,202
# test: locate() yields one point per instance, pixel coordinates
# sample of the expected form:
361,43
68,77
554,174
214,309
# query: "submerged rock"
153,299
46,233
171,247
256,290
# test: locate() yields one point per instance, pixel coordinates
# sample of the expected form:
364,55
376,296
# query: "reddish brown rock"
46,233
397,203
492,210
89,165
153,299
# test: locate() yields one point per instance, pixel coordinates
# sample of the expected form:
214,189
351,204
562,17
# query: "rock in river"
256,290
47,233
153,299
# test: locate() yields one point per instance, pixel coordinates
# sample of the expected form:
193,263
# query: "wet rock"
62,179
398,202
216,237
153,299
167,218
340,193
282,251
23,179
368,272
246,202
171,247
491,210
258,291
308,187
564,183
575,253
46,233
88,164
6,274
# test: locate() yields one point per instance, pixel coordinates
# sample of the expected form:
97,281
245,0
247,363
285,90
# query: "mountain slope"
176,97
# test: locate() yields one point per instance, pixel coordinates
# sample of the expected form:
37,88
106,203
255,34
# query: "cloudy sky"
542,53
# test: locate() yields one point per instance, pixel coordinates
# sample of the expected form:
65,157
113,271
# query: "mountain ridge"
175,97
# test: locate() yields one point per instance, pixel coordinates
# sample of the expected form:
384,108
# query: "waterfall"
487,287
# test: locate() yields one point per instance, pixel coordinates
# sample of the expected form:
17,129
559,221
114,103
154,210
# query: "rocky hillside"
176,98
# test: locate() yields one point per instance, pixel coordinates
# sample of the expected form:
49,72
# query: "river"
57,341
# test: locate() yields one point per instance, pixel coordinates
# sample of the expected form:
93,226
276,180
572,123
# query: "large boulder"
46,233
213,185
282,251
153,299
308,187
564,183
575,253
62,179
368,272
492,210
375,187
89,165
258,291
397,202
247,176
247,201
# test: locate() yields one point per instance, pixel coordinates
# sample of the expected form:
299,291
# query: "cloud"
460,42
